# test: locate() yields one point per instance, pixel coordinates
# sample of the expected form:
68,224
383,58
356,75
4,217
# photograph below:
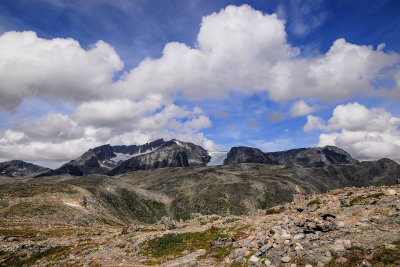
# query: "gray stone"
338,248
340,224
344,203
313,237
365,263
285,236
286,259
266,247
346,243
396,206
299,236
254,259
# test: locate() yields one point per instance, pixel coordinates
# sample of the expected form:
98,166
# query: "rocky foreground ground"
345,227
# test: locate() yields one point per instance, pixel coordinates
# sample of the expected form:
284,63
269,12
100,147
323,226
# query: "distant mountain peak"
19,168
306,157
104,159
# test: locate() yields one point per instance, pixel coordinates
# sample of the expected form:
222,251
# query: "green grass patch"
383,256
357,200
237,264
36,188
375,195
175,244
274,211
264,201
387,255
314,202
15,259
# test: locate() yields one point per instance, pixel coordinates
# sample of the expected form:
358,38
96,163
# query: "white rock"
254,259
346,243
337,248
299,247
390,192
267,262
299,236
286,259
285,236
340,224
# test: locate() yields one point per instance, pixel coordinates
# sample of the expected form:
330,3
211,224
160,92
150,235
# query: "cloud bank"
238,49
367,134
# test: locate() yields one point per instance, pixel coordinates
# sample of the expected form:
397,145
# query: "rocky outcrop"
102,159
244,154
305,157
171,154
19,168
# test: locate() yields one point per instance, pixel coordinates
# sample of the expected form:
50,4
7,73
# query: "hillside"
146,196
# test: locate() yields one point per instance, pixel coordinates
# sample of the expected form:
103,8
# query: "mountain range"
114,160
125,184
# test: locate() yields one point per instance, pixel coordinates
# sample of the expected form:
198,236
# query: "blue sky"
217,73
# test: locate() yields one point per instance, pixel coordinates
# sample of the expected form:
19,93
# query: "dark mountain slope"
306,157
103,159
171,154
19,168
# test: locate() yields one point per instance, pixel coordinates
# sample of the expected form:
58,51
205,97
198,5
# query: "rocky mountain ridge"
305,157
102,159
114,160
19,168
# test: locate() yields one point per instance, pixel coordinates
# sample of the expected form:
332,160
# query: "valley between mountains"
115,204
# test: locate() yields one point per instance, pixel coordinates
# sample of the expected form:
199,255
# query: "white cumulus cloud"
60,68
367,134
300,108
238,49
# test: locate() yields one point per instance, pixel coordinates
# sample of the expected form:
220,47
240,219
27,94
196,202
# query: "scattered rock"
222,242
266,247
299,236
167,223
390,192
345,243
338,248
195,215
341,260
131,228
313,237
344,203
366,263
254,259
286,259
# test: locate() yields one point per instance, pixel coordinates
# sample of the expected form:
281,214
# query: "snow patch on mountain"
217,157
122,157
